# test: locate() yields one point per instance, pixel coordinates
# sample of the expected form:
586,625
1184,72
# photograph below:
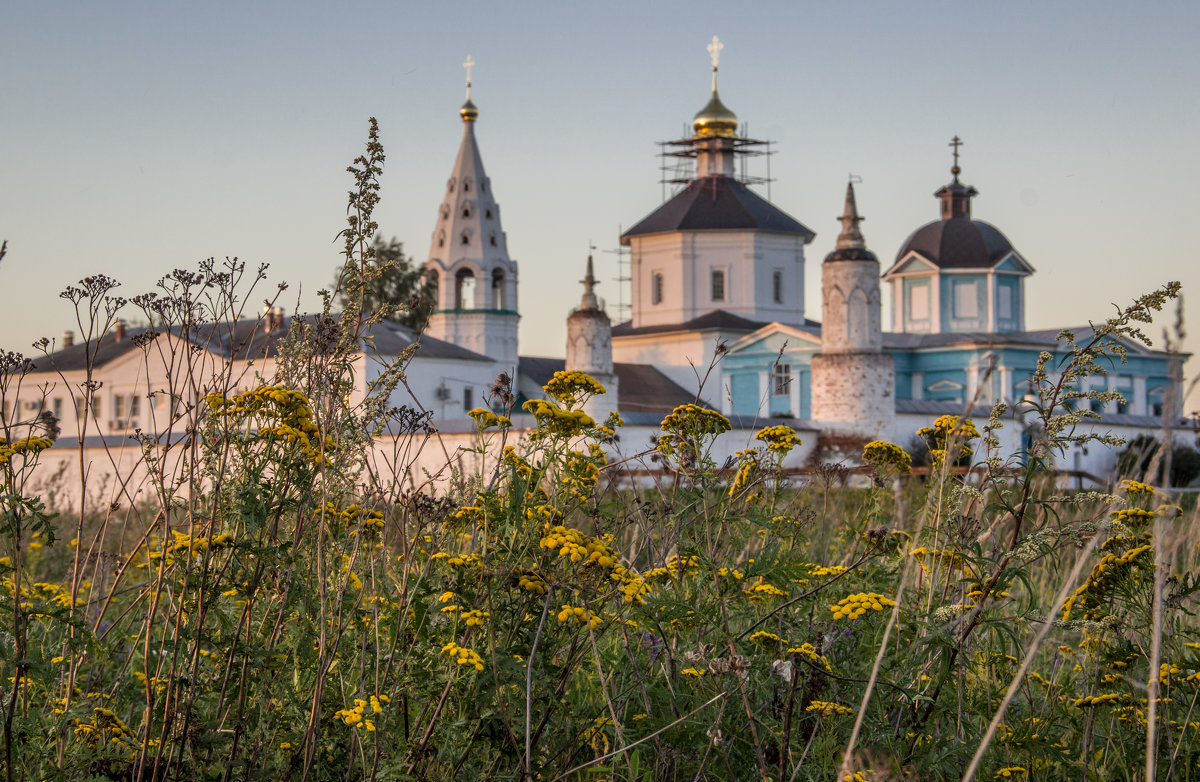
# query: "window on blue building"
781,379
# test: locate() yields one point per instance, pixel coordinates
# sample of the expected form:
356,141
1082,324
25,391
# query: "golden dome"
468,111
715,119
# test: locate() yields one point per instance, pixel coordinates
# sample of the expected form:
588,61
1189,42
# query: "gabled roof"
643,389
810,334
718,204
717,320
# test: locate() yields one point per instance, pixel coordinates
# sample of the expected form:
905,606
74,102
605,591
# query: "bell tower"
473,277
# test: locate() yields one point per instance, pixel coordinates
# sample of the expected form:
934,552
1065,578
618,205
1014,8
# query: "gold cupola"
715,119
468,111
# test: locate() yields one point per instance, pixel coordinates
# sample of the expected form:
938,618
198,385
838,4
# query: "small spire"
956,142
468,110
851,237
589,301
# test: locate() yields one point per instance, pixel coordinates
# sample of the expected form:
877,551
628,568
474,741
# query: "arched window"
466,238
450,185
498,289
467,210
656,288
488,214
464,289
493,240
441,239
445,211
466,185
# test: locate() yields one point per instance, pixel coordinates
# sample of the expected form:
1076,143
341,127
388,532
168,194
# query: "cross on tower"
468,65
956,142
714,49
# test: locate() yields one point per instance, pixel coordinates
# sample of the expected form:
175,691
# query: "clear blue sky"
141,137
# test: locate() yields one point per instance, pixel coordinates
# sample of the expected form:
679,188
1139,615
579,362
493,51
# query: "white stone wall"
854,393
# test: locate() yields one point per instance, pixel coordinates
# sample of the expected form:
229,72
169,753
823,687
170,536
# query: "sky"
137,138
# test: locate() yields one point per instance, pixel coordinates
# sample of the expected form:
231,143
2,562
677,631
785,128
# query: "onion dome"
956,241
468,111
715,119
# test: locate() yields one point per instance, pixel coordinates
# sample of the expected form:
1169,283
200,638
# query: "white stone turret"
853,380
474,278
589,347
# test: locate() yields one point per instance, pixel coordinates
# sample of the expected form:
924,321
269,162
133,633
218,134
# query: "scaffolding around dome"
677,161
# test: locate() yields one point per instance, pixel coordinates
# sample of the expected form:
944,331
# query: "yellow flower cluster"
949,429
1010,771
767,639
582,472
1135,488
475,618
1090,701
695,673
367,517
730,572
574,545
1134,518
747,461
677,567
854,606
532,582
760,591
943,558
554,420
1108,571
579,616
104,725
821,571
827,708
693,421
780,439
887,457
27,445
517,463
809,652
356,717
485,419
288,408
572,387
463,655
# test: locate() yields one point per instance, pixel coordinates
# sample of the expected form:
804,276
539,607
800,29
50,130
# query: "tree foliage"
393,285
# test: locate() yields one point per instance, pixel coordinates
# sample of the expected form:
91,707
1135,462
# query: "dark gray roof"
721,320
958,243
643,389
245,340
1042,339
717,204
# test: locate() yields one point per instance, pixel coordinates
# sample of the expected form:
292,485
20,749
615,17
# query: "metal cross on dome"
714,49
468,65
956,142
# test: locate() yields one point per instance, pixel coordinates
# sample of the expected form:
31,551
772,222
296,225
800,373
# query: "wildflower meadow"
289,608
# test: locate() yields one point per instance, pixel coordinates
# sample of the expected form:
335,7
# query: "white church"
717,272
